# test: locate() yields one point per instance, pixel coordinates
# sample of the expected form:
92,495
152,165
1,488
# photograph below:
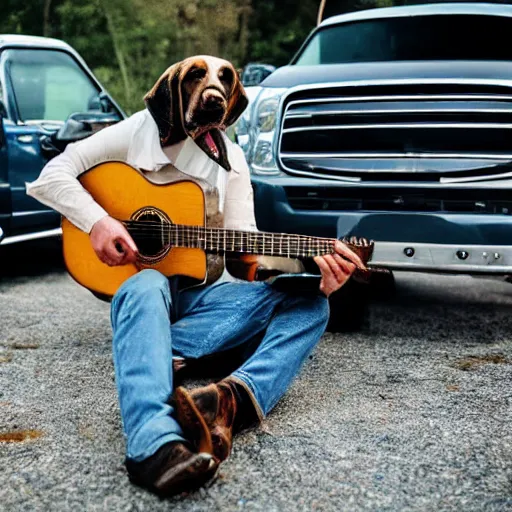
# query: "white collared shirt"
136,142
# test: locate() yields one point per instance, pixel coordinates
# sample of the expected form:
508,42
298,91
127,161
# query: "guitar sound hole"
150,234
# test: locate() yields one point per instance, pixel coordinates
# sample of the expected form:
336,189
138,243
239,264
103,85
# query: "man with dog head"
175,439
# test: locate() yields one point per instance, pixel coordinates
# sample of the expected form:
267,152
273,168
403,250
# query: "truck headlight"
262,131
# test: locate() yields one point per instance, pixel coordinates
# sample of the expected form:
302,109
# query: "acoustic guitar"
167,223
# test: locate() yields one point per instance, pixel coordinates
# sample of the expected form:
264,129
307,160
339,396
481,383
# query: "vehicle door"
5,192
43,87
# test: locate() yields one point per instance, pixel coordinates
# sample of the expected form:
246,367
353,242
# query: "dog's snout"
212,99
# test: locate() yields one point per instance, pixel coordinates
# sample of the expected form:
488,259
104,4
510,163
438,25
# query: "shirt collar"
151,157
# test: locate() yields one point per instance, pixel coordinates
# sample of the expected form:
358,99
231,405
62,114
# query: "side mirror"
106,104
101,103
254,74
3,114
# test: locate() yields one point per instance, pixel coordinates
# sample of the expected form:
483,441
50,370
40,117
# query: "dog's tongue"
211,145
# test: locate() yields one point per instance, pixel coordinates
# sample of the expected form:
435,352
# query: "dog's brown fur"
198,95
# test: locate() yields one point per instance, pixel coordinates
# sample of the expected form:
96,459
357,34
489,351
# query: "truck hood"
444,71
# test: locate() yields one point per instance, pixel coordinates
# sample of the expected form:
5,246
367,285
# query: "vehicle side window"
2,114
49,85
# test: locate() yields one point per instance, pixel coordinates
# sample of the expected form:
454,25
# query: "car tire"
382,285
349,307
350,304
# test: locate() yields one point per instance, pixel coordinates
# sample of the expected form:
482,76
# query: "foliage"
129,43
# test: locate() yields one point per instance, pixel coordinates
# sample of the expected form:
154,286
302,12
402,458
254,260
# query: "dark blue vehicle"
48,97
394,124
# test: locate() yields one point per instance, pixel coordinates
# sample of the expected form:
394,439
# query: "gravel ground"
411,413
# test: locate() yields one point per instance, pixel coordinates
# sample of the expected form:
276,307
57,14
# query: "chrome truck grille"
403,132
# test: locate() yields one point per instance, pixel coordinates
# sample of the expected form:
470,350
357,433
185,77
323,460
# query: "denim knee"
142,286
320,305
315,306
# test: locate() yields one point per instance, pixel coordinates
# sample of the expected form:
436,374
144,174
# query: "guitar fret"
202,237
220,240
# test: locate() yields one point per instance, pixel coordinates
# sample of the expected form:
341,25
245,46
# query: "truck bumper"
443,258
466,243
37,235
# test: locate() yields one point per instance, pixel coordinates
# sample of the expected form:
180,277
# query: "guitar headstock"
361,246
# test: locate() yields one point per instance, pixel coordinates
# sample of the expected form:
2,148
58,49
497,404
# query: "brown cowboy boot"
214,405
172,469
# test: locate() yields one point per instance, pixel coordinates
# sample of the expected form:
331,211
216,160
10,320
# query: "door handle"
25,139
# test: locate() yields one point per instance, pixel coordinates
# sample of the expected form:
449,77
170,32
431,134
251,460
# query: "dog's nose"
212,100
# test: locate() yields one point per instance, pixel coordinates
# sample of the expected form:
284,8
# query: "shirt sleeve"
58,186
239,212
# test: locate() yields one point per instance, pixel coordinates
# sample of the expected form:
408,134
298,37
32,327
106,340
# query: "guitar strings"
251,246
143,225
186,230
232,234
229,240
233,245
232,239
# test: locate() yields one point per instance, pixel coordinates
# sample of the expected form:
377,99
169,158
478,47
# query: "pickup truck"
48,97
394,124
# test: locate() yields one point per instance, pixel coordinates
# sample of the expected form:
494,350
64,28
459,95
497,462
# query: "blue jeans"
211,319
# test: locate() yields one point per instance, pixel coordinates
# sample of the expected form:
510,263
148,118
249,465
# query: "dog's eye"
226,76
196,74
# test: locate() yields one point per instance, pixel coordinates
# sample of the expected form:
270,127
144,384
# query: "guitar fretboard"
220,240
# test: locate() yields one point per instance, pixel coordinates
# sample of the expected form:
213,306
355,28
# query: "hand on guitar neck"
112,243
337,268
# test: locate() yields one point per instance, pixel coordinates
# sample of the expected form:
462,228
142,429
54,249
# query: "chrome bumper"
50,233
463,259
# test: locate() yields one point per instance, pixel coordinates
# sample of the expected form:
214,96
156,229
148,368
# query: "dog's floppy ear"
237,101
165,104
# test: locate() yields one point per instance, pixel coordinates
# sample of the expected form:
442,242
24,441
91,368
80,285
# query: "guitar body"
126,194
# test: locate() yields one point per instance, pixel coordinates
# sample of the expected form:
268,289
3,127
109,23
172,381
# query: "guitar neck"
220,241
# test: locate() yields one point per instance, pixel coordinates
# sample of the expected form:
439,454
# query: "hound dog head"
197,97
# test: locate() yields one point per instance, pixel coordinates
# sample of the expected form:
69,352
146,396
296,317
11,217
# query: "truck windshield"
433,37
49,85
